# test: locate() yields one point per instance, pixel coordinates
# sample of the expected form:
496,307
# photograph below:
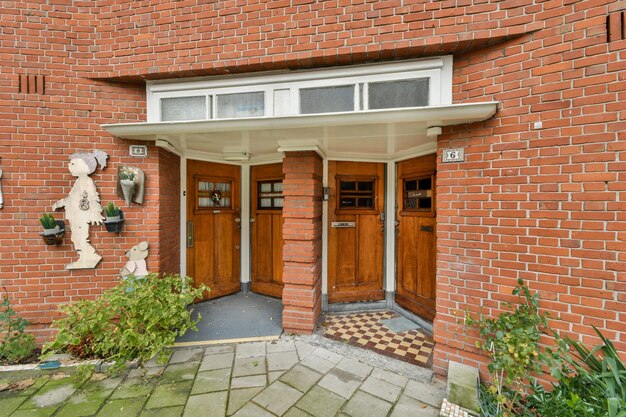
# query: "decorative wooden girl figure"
82,206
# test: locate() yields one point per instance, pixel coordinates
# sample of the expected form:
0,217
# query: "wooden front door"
416,244
267,229
355,231
213,226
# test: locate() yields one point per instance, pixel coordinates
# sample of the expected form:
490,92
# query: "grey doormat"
400,324
237,316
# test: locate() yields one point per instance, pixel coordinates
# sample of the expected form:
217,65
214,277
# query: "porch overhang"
369,135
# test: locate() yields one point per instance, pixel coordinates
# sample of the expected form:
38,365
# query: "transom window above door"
419,83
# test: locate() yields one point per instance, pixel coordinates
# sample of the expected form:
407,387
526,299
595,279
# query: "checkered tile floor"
367,331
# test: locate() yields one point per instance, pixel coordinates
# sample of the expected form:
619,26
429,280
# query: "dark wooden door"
416,244
267,229
213,226
355,231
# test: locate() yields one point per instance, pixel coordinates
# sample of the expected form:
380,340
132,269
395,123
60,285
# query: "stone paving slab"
217,361
280,361
278,398
211,404
364,404
341,382
381,389
300,377
239,397
296,376
211,381
321,402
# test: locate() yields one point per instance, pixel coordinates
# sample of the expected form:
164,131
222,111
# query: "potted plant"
127,182
53,230
114,218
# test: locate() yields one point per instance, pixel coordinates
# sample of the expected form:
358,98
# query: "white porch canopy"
367,135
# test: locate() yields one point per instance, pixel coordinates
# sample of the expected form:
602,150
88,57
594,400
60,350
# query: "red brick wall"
223,37
546,205
168,220
38,131
302,237
542,204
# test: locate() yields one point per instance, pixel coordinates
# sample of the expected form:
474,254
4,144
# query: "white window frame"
437,70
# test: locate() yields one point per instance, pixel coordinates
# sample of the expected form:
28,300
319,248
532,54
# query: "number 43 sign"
453,155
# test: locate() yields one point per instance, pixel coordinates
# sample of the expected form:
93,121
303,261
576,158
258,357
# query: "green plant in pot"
114,218
53,230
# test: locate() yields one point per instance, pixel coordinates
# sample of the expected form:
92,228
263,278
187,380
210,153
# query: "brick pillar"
302,236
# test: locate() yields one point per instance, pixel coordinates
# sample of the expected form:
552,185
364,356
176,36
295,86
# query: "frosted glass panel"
393,94
282,102
213,194
241,105
327,99
183,108
270,195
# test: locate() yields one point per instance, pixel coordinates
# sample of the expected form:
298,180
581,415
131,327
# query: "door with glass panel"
213,226
355,231
415,234
266,228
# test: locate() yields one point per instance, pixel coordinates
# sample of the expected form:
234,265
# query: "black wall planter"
54,238
114,224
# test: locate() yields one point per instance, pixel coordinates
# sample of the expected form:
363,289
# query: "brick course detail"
302,236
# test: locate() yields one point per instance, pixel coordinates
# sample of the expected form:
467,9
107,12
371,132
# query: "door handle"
190,234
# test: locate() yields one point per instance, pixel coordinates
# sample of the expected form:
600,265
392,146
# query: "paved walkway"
294,376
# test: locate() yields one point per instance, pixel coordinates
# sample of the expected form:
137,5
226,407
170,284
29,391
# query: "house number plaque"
453,155
343,225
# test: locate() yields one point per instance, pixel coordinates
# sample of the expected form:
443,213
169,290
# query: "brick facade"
545,204
302,237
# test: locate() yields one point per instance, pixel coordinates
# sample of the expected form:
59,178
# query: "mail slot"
416,194
426,229
343,225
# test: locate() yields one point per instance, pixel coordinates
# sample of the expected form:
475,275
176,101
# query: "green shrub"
135,319
512,342
607,372
15,345
572,396
589,383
